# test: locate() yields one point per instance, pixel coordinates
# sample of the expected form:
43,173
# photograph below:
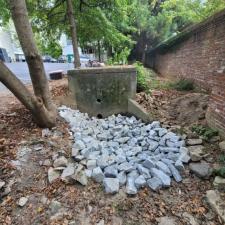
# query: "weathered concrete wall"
198,54
103,91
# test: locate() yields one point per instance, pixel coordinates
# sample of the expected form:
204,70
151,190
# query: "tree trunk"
42,116
99,51
40,105
73,29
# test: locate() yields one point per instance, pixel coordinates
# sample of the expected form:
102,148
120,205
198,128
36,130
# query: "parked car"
48,58
84,60
62,59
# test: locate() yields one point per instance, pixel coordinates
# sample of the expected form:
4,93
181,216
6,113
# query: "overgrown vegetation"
220,171
183,85
142,77
120,58
206,132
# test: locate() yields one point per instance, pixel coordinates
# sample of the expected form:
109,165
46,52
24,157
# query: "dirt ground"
24,174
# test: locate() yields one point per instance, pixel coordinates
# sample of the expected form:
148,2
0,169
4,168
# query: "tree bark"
73,29
40,105
42,116
99,51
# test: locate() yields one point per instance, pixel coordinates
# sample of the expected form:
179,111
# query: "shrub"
206,132
119,58
219,172
183,85
142,81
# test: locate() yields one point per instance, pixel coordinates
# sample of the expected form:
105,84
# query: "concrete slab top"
101,70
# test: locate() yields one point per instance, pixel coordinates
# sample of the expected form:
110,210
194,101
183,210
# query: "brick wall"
216,110
197,54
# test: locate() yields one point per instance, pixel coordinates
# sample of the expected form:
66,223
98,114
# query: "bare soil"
88,205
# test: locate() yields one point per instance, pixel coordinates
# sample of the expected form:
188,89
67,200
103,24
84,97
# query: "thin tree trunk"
99,51
73,29
42,97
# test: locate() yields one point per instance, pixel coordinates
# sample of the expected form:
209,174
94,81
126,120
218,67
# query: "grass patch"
220,172
183,85
206,132
156,84
147,80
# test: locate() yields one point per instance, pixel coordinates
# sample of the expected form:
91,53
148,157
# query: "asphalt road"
20,69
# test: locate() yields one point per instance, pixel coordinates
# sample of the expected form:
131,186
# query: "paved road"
20,69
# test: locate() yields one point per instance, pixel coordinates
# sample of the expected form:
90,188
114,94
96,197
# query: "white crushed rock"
123,151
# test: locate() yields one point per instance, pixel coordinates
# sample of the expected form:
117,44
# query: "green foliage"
156,83
183,85
142,77
222,159
4,12
116,23
206,132
51,48
219,172
120,58
97,21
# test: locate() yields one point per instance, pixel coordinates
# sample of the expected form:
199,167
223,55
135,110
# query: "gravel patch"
123,151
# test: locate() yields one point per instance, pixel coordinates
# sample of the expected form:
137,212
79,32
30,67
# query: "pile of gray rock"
123,151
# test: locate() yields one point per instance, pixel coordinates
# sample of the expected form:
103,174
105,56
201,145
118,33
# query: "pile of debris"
120,151
177,107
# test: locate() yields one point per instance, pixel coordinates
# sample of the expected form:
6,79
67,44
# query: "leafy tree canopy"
115,23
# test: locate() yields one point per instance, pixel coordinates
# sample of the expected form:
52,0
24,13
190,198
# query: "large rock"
60,162
162,176
22,201
140,182
154,183
196,153
53,174
2,184
55,206
222,145
148,163
79,145
201,170
122,178
68,171
81,177
184,155
111,171
98,175
194,141
162,166
216,201
166,220
219,183
111,185
190,219
127,167
91,164
174,171
143,171
130,186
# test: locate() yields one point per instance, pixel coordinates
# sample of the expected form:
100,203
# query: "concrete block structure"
104,91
